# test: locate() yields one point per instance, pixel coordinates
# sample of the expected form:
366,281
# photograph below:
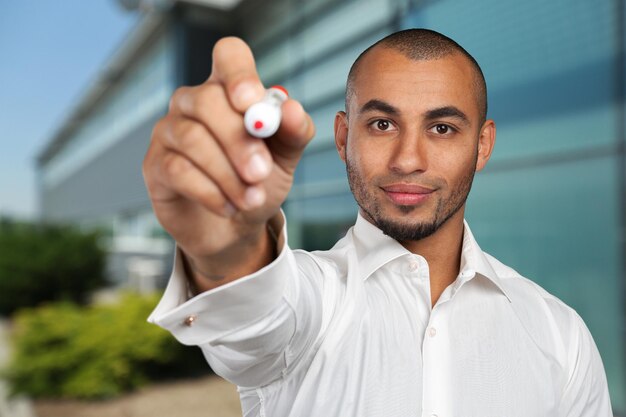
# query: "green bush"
63,350
44,263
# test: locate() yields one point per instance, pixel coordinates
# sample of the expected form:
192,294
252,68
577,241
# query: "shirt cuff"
212,314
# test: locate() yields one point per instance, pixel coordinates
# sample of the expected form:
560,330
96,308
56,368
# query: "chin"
404,228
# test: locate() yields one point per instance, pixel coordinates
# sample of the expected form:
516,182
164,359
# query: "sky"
50,52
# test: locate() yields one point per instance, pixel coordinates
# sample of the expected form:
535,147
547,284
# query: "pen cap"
262,119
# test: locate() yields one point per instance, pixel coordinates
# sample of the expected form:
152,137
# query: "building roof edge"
115,67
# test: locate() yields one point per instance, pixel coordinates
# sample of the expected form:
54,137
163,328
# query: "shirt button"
468,273
189,320
413,266
432,332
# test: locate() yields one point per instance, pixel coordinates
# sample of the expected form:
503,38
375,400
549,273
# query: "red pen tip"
281,88
258,125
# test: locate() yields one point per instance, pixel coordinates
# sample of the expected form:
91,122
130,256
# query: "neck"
442,251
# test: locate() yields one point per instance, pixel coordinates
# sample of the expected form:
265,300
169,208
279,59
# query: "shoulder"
559,331
548,320
327,262
524,290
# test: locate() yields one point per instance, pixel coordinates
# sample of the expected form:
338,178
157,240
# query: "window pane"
559,225
317,223
549,68
320,166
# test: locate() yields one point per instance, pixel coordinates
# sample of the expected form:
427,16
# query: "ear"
341,133
486,142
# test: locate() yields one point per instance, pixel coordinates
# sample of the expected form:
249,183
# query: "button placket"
416,266
432,332
436,357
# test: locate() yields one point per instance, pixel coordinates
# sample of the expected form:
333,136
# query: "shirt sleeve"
586,393
252,329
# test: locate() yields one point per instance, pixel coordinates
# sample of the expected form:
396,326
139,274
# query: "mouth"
407,194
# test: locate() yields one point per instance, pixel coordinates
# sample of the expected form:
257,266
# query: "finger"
151,163
295,132
178,98
208,104
193,141
234,67
155,177
180,177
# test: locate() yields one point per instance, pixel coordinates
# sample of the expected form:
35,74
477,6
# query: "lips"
407,194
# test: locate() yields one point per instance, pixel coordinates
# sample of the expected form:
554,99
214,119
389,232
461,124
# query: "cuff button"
189,321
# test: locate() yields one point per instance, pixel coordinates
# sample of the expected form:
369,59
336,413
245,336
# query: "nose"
409,154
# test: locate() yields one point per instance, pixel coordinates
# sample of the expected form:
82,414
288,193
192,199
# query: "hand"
214,187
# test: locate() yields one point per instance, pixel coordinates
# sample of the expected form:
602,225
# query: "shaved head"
423,45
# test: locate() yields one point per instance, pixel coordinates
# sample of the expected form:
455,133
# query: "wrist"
248,256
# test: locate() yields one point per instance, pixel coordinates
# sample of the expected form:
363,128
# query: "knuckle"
187,134
205,97
175,165
177,96
149,161
149,183
159,127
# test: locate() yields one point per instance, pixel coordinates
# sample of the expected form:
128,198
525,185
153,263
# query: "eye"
442,129
381,125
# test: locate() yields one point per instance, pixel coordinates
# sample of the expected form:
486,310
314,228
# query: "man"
405,316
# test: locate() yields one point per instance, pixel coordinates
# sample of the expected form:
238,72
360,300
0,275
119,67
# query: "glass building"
551,203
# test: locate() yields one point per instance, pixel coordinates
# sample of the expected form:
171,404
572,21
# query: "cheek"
453,164
465,168
373,153
365,160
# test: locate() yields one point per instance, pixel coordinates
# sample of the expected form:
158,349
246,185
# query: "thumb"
295,132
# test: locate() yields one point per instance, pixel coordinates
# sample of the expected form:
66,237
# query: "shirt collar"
473,259
374,249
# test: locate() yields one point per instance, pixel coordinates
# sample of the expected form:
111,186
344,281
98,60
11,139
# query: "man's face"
411,141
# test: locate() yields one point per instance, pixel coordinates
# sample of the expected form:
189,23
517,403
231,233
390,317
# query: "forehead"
414,85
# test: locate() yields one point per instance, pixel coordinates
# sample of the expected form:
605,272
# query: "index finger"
234,67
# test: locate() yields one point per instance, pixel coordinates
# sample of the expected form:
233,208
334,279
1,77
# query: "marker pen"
262,119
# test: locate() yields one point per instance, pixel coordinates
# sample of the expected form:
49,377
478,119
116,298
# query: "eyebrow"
438,113
379,105
447,111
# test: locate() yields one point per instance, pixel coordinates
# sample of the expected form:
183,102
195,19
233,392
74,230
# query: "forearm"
246,327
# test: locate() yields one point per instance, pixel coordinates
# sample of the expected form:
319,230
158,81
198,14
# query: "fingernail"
257,167
245,94
254,197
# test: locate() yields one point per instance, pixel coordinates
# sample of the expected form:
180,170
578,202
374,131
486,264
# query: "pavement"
209,396
19,406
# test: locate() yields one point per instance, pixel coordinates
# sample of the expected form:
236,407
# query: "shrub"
43,263
63,350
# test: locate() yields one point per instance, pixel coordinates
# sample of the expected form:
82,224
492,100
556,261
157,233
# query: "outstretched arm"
214,187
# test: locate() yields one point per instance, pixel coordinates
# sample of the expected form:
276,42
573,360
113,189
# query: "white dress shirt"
351,332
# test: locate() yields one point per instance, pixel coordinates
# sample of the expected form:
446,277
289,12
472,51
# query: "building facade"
551,203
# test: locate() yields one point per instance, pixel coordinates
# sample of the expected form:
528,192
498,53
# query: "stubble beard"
401,230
